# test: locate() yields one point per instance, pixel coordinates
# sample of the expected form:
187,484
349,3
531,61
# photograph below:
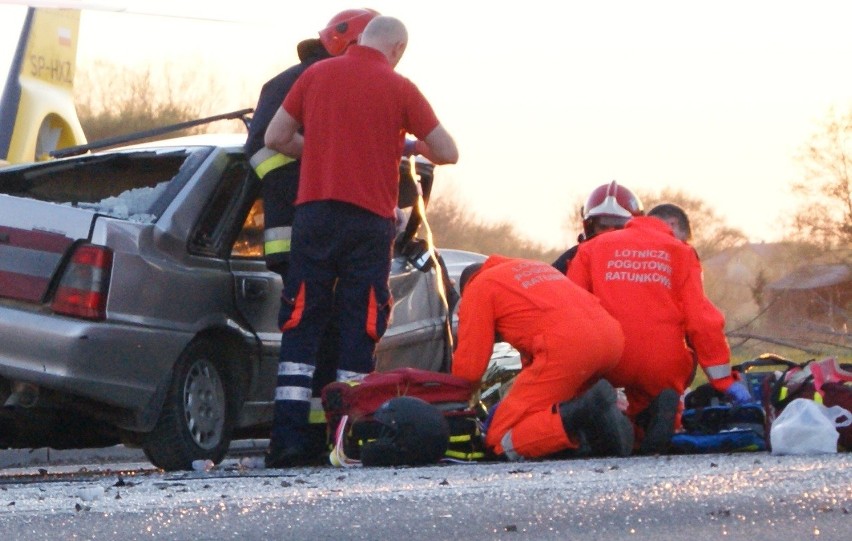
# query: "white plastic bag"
806,427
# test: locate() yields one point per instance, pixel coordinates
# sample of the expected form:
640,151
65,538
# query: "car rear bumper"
115,364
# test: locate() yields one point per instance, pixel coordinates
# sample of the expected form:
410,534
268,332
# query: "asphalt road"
751,496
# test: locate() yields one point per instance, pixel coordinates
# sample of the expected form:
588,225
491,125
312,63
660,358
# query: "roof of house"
813,277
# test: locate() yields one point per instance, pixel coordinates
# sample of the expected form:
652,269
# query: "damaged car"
136,306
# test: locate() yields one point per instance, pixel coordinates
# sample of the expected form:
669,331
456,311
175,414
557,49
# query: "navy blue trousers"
339,268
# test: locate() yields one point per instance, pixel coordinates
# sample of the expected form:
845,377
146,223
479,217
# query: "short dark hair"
467,274
674,212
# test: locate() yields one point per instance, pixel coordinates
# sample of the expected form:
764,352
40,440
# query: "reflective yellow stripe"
265,160
317,417
817,398
276,247
272,163
750,447
458,455
782,393
464,456
277,240
317,413
460,438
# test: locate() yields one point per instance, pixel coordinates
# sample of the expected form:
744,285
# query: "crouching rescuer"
567,341
651,283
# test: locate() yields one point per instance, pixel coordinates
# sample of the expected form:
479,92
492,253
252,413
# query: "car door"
416,334
258,298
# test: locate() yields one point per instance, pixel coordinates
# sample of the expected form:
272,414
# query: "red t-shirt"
355,111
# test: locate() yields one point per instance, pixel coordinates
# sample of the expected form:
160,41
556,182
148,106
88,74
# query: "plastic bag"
806,427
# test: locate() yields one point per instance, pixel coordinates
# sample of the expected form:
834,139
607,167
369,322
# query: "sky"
548,100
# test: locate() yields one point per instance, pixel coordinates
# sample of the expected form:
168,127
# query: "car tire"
198,414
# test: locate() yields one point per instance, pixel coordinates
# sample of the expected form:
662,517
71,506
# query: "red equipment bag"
356,401
363,397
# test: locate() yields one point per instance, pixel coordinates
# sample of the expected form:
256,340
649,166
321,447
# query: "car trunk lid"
34,238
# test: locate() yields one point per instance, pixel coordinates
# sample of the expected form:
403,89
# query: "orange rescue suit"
566,340
651,282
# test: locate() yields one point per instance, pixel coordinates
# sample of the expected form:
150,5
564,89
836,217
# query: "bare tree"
572,224
115,100
455,227
710,233
825,217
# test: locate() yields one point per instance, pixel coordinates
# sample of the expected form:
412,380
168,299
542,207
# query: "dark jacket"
273,92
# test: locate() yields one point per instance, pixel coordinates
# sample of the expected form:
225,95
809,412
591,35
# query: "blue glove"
489,418
739,393
408,148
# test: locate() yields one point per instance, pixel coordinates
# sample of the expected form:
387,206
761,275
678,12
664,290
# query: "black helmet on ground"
413,432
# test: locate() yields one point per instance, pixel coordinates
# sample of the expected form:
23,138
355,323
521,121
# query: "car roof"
228,140
233,141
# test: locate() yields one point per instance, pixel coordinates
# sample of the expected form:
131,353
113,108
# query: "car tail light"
82,292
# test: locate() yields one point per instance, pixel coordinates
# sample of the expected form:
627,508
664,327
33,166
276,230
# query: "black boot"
658,421
288,457
594,418
313,453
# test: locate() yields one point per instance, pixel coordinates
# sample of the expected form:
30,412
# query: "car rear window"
130,185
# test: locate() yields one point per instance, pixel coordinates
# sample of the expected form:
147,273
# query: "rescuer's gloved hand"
739,393
408,149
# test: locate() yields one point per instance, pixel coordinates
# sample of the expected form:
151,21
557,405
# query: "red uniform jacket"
651,283
524,301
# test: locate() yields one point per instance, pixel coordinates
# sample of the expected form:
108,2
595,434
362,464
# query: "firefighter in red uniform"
651,283
566,340
355,110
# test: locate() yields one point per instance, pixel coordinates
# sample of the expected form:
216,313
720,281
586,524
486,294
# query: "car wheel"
197,416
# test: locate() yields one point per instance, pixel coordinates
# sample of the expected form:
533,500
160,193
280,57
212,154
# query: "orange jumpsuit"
565,337
651,283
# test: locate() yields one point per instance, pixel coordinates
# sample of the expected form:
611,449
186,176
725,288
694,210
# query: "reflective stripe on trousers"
509,447
294,381
292,403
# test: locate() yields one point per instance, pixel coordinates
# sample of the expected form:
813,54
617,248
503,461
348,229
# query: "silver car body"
186,266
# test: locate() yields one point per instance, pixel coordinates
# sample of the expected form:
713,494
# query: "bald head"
388,35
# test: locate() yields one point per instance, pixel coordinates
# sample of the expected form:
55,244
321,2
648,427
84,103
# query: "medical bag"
349,408
826,381
721,428
712,424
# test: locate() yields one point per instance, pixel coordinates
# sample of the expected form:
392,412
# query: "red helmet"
344,28
609,206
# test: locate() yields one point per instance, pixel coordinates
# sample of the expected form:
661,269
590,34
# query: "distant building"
735,279
811,299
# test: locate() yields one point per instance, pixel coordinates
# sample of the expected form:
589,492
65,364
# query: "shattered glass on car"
134,185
